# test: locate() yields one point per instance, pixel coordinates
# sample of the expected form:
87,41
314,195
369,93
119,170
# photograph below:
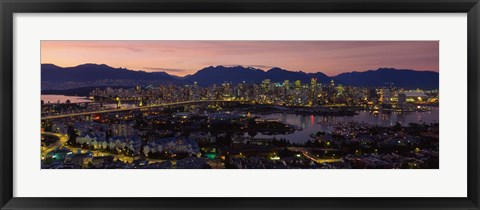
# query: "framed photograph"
239,104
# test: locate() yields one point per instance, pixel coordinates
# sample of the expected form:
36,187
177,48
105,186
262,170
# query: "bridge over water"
137,108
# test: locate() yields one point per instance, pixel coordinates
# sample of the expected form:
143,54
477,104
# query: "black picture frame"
10,7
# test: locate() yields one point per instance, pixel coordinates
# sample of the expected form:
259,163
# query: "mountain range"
218,74
55,77
92,72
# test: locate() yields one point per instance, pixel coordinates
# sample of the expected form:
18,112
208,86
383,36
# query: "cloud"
134,49
254,66
165,69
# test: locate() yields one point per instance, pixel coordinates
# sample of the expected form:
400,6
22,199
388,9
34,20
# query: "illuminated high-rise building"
298,84
340,89
286,84
331,92
266,85
313,82
313,91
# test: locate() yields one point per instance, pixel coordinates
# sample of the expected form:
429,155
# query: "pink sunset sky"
186,57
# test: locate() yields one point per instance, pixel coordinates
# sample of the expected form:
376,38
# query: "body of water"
314,123
62,99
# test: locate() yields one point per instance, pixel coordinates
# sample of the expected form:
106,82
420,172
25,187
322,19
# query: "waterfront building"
412,97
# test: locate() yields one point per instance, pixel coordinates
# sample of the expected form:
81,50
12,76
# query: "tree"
397,127
72,135
48,160
47,125
146,150
85,146
108,134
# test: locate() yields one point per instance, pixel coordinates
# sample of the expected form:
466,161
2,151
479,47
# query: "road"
308,155
62,139
131,109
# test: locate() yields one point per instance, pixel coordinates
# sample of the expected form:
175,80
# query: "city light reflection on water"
63,99
315,123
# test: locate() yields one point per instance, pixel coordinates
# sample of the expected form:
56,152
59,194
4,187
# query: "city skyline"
180,58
